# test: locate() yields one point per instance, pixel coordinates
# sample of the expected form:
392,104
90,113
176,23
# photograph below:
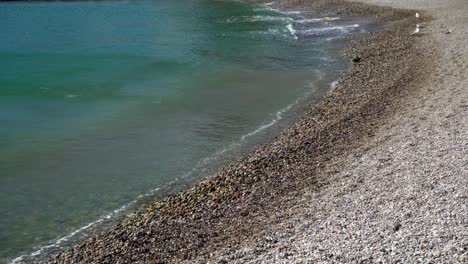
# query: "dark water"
103,103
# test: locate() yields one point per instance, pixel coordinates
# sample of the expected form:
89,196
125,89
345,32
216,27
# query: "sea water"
105,103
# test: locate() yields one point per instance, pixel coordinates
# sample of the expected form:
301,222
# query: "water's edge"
185,182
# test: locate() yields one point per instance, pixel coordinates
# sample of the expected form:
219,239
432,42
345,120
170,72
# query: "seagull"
447,32
417,15
417,30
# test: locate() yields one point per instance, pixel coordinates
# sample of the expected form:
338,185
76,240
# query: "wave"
292,31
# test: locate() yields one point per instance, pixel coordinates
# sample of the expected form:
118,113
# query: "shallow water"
103,103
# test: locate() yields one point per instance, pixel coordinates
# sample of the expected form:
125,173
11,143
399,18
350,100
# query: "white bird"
417,30
417,15
447,32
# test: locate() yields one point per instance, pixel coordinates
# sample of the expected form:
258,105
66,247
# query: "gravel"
376,172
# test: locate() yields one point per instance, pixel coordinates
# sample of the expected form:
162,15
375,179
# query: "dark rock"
357,59
396,227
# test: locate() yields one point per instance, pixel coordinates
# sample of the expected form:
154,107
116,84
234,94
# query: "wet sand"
376,171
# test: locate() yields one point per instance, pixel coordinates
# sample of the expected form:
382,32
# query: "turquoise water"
104,103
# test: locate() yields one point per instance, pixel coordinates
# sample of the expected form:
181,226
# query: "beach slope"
375,172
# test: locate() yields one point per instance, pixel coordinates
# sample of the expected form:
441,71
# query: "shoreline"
235,204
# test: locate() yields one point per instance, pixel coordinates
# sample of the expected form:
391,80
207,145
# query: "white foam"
232,146
280,113
311,20
268,4
324,29
271,18
292,31
259,19
283,12
71,95
278,117
291,12
341,27
268,8
327,59
333,38
274,31
334,84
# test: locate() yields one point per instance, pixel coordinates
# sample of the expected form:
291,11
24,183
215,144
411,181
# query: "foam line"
314,30
280,113
278,117
311,20
259,18
291,12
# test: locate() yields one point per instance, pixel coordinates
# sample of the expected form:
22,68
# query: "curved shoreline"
238,203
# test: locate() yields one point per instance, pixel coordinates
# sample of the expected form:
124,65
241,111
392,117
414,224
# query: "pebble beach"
376,172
